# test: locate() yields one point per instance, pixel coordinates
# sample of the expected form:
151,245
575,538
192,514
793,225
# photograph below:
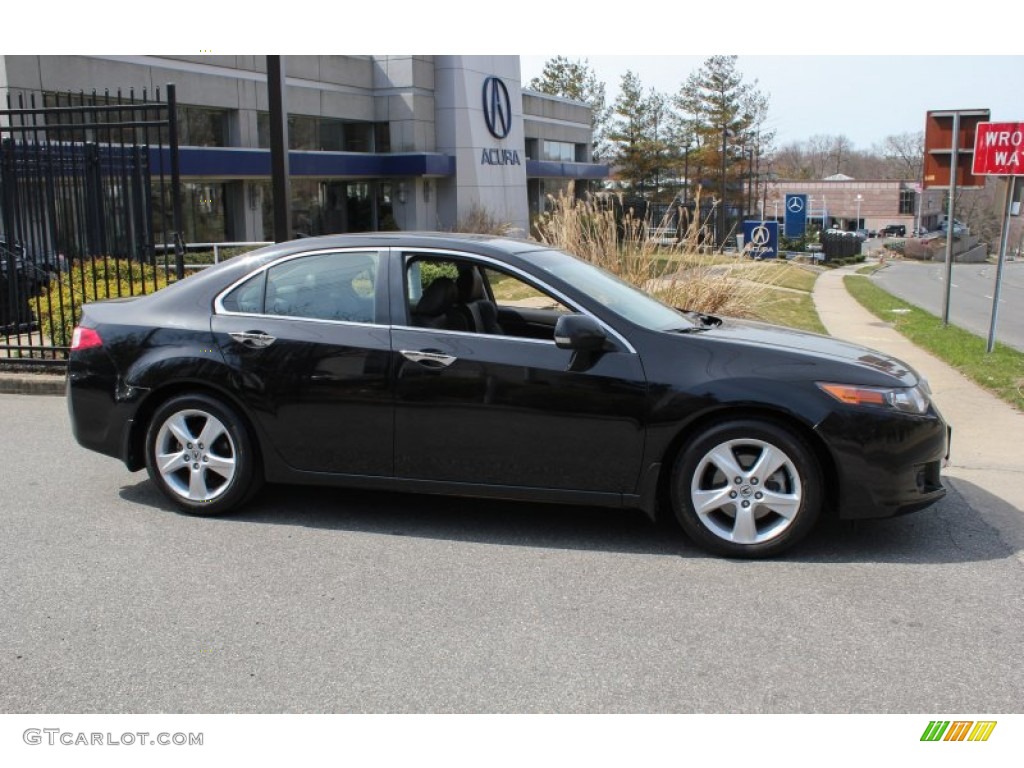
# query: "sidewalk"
988,434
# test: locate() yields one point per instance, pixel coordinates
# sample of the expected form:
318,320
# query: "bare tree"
905,154
817,153
840,152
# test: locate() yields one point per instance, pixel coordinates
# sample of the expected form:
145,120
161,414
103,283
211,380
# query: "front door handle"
253,338
428,359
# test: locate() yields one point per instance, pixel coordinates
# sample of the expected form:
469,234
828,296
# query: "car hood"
805,344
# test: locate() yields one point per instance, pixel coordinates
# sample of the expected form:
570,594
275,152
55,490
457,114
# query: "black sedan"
475,365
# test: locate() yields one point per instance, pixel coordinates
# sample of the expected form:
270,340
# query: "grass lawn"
789,308
1001,372
786,299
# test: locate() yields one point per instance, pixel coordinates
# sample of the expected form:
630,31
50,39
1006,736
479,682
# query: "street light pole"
859,198
721,212
686,172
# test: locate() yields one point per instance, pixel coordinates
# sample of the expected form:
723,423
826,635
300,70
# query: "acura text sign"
999,149
761,239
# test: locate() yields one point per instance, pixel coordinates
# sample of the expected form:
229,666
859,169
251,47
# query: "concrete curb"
32,383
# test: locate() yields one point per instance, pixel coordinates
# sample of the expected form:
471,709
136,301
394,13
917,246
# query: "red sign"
999,149
938,147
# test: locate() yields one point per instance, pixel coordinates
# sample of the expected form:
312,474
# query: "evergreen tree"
640,135
626,132
727,116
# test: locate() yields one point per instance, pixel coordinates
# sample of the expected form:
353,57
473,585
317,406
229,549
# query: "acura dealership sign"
498,116
497,108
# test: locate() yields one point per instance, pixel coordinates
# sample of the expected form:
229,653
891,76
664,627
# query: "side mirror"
580,333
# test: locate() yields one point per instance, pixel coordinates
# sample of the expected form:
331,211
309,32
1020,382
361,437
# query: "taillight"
85,338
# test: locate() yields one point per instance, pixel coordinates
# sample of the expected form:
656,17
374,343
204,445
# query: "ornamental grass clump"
669,263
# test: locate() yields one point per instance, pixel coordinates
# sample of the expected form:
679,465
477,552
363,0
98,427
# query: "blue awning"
242,162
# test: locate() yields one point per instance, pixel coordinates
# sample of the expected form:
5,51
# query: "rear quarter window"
248,297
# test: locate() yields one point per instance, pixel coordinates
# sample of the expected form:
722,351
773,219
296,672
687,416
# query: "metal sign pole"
1010,182
949,218
279,162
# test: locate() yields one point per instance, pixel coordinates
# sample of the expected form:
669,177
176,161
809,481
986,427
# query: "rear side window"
325,286
248,297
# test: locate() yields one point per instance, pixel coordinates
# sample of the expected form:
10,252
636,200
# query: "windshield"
604,288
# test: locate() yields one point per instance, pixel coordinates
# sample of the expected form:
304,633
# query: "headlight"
905,399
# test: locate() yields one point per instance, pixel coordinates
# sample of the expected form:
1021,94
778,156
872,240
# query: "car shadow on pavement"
951,531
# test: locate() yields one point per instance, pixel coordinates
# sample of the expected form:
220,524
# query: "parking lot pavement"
317,600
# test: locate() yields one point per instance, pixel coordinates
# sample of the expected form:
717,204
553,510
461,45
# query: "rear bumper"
99,421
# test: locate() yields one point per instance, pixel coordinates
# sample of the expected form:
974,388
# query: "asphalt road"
922,284
332,601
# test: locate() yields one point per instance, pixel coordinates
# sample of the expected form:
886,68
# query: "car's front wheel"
747,488
200,455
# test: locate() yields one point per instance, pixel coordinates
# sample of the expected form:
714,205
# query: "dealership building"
842,202
376,142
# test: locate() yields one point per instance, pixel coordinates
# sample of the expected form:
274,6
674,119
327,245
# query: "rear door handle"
429,359
253,338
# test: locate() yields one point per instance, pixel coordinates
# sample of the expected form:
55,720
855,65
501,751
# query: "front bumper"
886,463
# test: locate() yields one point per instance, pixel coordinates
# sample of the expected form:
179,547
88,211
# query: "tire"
200,455
729,504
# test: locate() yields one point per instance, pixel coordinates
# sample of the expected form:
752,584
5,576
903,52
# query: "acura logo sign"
497,108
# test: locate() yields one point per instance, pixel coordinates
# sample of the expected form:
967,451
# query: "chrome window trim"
295,318
381,251
218,302
532,279
470,334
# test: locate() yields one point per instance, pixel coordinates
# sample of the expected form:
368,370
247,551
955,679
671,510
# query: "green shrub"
92,280
430,271
206,257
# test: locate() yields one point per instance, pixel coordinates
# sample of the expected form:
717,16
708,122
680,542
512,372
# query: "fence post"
172,131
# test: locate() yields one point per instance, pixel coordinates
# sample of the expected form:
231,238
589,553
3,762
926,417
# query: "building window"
203,206
202,127
329,207
907,201
382,137
197,126
559,151
326,134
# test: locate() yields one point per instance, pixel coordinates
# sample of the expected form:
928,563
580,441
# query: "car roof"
212,280
481,243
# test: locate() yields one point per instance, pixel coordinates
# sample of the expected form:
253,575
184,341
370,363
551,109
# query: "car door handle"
429,359
253,338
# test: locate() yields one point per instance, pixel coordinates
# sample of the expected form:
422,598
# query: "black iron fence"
89,203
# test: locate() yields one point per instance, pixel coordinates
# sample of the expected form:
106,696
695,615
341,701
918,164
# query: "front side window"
462,295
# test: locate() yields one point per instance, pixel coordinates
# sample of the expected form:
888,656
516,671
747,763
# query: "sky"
864,97
866,71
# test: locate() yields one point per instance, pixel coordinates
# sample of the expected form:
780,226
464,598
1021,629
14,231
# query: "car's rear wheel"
200,455
747,488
